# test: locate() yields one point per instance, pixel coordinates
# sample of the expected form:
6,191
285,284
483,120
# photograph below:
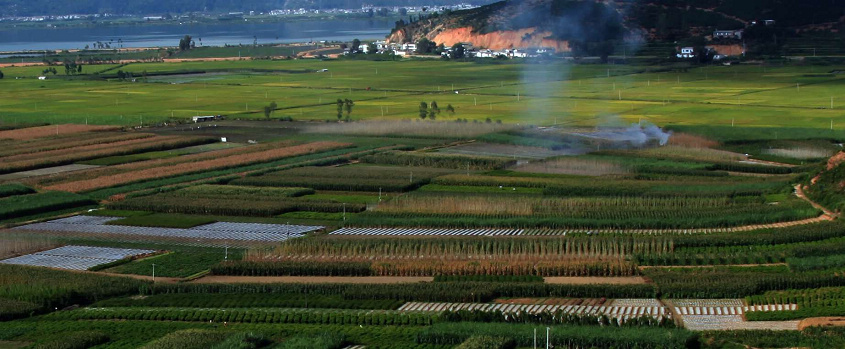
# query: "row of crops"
105,146
623,219
347,178
224,175
234,200
421,292
427,267
276,316
41,288
250,300
31,204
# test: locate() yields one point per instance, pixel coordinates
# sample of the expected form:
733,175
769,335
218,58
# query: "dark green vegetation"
348,178
13,189
180,261
31,204
456,333
50,289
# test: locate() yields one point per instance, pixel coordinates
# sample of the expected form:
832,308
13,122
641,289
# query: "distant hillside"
49,7
590,25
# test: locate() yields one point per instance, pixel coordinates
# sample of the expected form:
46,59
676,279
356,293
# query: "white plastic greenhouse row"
60,262
213,231
732,310
416,232
537,308
75,257
94,252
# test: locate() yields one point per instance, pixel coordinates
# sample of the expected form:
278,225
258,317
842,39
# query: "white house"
485,54
409,47
686,52
42,78
517,54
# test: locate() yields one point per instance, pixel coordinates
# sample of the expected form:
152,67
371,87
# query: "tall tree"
458,51
1,74
425,45
339,108
433,110
356,45
423,110
185,43
268,110
450,109
348,103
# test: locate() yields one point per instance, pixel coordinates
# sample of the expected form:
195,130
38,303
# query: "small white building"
42,78
485,54
686,52
203,118
409,47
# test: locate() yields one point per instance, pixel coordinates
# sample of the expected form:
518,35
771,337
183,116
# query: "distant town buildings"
407,49
728,34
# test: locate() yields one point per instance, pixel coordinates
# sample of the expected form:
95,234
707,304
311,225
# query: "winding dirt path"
799,192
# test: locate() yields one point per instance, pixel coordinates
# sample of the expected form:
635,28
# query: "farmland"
620,206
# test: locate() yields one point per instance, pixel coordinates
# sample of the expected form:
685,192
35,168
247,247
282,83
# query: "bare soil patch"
314,279
822,321
13,344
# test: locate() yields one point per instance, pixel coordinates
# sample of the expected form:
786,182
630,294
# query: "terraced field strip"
425,232
75,257
733,310
250,232
225,279
619,312
564,232
45,171
727,314
735,322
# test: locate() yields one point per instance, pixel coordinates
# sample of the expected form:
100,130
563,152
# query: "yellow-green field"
540,94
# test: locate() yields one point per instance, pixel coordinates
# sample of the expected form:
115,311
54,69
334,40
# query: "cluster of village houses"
407,49
730,35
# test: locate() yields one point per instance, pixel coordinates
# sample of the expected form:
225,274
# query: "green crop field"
634,203
758,96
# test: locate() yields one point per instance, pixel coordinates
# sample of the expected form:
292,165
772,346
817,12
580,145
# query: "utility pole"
344,212
154,273
548,341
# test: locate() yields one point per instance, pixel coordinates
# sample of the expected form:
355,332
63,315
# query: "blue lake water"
214,34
